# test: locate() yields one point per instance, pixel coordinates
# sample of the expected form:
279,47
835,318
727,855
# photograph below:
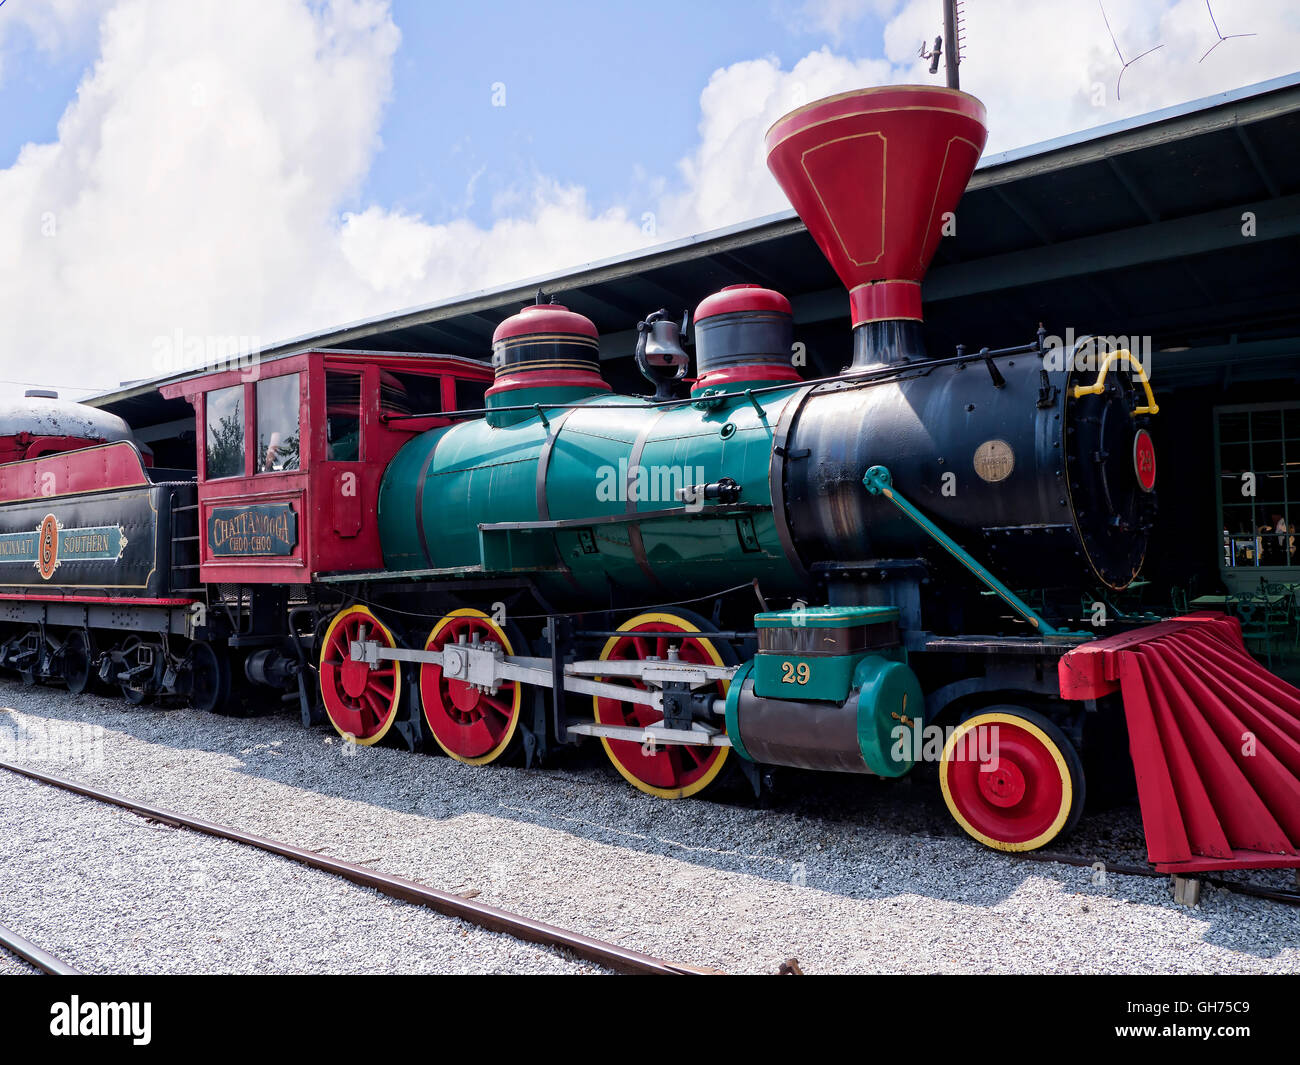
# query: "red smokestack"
872,173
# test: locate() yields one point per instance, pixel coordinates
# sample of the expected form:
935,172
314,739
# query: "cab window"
403,395
224,436
277,424
343,416
470,393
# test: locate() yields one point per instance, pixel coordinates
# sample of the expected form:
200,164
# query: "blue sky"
595,92
178,173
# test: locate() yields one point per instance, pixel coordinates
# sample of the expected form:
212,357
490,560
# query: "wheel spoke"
495,704
695,753
372,703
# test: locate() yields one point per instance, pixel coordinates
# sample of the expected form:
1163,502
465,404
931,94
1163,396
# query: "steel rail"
33,955
610,955
1290,898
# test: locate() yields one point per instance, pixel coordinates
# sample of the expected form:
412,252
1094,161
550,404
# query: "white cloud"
196,186
199,178
726,179
835,16
404,260
1049,68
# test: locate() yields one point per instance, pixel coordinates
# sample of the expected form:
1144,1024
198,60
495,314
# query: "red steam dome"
872,174
545,347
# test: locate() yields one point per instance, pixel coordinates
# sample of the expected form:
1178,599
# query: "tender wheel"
672,771
1011,779
209,678
77,655
472,726
361,702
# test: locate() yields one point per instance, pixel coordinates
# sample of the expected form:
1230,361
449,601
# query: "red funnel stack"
872,173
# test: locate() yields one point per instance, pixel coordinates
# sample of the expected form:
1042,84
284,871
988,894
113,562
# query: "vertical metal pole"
950,42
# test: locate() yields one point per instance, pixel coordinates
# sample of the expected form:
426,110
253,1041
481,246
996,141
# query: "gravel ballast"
12,965
847,874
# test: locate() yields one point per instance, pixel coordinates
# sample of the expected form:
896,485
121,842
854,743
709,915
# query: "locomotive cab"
291,451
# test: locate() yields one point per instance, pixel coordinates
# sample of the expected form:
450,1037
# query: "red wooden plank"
1235,803
1202,832
1161,817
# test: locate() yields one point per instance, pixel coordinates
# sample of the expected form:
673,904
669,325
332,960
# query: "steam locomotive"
744,570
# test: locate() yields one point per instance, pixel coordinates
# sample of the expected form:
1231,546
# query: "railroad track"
610,955
1291,898
34,955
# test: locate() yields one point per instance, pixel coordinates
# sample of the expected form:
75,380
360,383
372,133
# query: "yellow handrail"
1097,386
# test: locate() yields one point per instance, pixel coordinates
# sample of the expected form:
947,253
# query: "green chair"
1253,613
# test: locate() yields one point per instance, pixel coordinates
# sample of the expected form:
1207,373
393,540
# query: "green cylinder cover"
889,700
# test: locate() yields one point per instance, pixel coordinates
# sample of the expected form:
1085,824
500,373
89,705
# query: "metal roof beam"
613,306
1256,360
458,336
1022,211
1239,107
1244,136
1140,245
1131,187
664,296
742,268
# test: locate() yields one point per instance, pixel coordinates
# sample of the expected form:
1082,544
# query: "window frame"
203,415
362,373
252,458
1226,564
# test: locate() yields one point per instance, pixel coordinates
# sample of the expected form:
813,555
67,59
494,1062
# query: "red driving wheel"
361,702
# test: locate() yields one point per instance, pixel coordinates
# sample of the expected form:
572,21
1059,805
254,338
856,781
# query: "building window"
343,416
1259,471
277,424
224,436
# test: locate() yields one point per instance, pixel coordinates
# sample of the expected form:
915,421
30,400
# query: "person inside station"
1275,541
